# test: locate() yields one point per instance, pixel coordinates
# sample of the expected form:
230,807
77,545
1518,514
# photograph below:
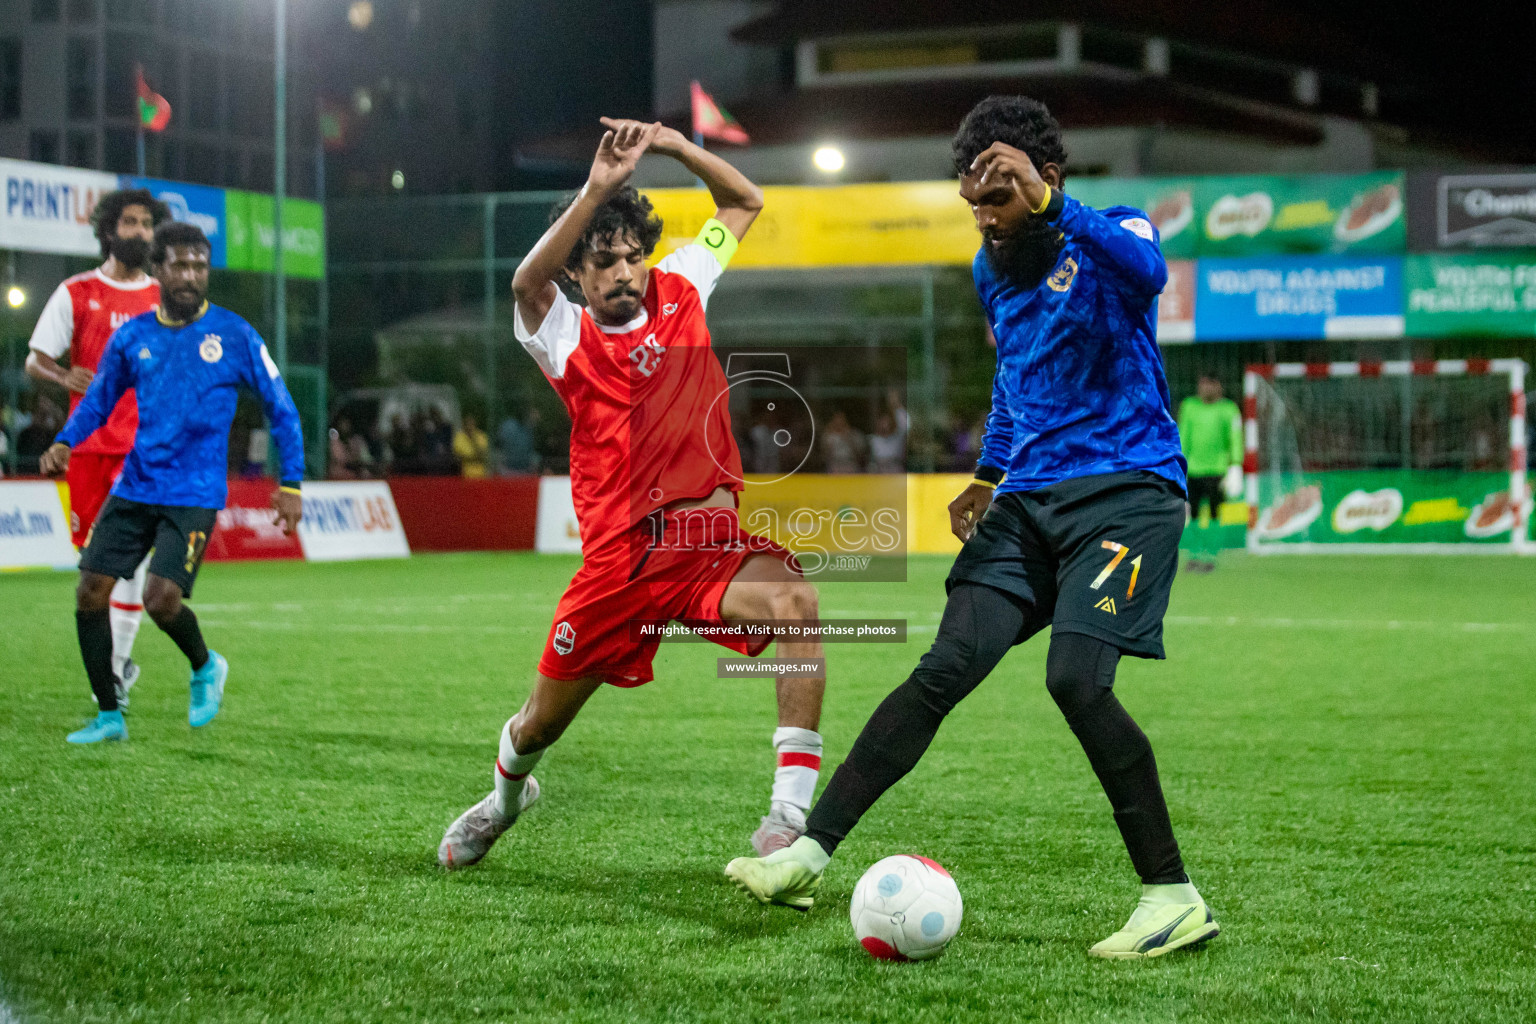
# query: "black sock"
978,627
95,631
183,629
1079,672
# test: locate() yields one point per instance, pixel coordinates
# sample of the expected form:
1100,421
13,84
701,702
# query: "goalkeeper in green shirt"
1211,431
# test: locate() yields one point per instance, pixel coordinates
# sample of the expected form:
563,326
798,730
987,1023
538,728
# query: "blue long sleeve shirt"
1080,388
187,377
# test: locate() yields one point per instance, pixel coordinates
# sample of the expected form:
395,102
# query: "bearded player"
80,316
1073,520
655,474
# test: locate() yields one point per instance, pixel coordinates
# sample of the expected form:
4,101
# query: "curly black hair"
177,232
1019,121
109,209
628,214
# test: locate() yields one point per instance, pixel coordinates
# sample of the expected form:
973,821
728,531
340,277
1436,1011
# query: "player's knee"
93,592
1079,671
162,604
794,601
530,735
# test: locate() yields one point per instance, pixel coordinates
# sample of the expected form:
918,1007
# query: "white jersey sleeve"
55,329
552,344
700,266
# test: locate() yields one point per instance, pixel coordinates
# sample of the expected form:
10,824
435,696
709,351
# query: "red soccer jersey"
650,413
79,319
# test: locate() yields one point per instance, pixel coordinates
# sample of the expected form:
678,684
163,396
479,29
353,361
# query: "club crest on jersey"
647,355
1065,274
669,309
565,638
212,348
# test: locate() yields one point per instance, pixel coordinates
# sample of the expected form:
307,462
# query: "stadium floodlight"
828,159
397,180
16,297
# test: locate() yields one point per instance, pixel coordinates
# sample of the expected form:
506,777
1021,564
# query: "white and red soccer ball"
905,908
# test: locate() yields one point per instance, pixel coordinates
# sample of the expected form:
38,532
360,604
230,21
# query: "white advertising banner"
34,528
44,208
558,531
350,519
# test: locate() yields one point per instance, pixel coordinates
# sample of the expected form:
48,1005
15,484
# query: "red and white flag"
711,121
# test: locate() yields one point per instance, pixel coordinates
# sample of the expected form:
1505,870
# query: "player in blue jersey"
186,359
1073,520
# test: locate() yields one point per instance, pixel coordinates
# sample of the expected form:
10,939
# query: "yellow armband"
717,238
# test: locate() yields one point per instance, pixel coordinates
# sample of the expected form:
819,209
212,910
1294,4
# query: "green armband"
717,238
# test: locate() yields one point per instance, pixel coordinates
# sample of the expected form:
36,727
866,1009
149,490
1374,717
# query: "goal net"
1391,456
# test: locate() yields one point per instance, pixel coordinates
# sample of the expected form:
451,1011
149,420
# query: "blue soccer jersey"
1080,388
187,377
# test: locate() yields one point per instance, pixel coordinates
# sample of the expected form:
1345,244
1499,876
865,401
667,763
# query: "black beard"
130,252
176,311
1025,257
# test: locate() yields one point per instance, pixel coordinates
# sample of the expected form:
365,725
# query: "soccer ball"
905,908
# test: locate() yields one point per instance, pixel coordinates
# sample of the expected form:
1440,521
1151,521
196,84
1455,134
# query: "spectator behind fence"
888,444
842,446
964,444
519,453
47,420
403,446
436,444
472,449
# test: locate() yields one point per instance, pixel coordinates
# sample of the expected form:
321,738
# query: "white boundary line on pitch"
1386,624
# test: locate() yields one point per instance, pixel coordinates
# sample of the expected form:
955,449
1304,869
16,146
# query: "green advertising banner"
1385,507
250,228
1314,213
1168,202
1489,294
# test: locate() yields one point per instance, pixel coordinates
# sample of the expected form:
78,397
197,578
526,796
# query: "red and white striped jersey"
650,413
78,320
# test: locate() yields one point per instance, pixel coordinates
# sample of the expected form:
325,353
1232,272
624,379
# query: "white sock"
511,769
794,779
127,611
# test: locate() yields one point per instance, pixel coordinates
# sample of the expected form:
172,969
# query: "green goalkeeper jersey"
1212,435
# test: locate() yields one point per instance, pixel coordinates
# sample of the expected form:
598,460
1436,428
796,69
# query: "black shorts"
126,531
1206,489
1094,555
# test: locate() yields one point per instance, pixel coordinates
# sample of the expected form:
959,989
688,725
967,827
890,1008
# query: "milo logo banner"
1169,204
1385,507
1314,213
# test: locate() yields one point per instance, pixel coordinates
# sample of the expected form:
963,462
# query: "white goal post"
1394,456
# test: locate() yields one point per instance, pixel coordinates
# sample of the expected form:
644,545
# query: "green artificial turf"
1346,745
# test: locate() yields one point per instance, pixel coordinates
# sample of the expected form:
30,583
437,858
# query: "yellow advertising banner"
891,224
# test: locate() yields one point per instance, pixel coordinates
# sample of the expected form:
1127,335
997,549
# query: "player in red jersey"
76,323
654,475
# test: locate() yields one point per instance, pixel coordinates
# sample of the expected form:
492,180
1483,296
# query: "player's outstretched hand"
78,379
55,460
967,509
668,141
289,508
618,154
1003,163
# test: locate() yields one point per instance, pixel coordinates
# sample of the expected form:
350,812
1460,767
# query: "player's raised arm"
737,200
533,285
1127,246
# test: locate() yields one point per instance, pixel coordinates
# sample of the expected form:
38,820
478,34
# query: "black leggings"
979,625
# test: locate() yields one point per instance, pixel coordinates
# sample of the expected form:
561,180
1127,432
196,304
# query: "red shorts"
650,580
90,476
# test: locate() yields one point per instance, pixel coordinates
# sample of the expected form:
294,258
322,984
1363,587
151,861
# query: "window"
122,146
131,12
43,146
45,11
250,98
84,12
10,78
204,164
203,76
125,52
80,149
80,76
